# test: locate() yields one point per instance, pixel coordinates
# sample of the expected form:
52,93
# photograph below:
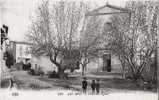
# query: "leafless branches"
135,41
56,32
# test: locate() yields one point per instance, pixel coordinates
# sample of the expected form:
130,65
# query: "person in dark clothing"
93,86
24,67
97,86
29,66
84,85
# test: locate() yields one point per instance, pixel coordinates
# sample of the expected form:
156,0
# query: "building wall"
22,52
13,49
43,62
97,65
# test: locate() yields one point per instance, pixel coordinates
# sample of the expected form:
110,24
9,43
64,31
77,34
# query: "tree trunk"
123,73
82,70
123,70
123,67
154,78
61,73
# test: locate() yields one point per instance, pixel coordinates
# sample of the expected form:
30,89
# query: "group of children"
95,86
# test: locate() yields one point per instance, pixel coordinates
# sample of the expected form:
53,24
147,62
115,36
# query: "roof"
97,12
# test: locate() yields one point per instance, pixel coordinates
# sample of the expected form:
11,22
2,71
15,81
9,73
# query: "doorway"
106,62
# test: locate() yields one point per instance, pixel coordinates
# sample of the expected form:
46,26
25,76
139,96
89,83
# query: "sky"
17,15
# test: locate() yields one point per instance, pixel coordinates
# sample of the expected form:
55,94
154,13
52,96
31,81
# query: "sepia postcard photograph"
79,49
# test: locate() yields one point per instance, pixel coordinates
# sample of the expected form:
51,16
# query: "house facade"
104,62
22,53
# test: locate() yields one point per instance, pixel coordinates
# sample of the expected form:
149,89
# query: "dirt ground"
108,84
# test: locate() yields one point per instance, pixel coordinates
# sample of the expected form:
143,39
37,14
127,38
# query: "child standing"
84,85
97,86
93,86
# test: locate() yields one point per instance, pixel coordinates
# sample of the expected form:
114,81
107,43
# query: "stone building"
104,62
21,52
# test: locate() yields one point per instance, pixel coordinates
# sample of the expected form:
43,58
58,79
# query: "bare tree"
55,32
133,38
90,36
